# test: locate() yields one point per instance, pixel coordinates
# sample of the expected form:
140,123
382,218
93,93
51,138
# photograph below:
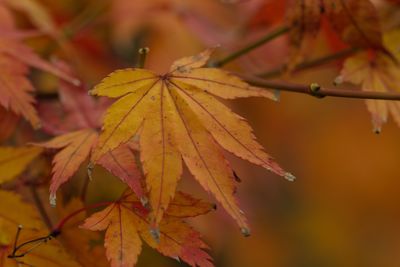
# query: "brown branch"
311,63
318,91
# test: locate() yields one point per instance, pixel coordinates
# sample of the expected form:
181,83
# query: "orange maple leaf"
377,71
177,117
84,113
126,223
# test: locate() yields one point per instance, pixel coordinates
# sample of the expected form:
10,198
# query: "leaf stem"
318,91
64,220
311,63
40,206
269,37
142,57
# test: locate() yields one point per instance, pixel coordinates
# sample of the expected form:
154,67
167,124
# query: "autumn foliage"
79,104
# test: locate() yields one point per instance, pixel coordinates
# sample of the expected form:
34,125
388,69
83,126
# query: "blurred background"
343,209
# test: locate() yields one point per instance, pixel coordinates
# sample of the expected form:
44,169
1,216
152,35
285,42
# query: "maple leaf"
83,113
377,71
36,12
356,22
14,212
126,223
15,59
304,18
177,117
268,13
14,160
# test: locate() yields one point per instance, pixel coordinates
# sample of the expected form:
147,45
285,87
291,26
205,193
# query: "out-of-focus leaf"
14,160
356,21
36,12
8,122
14,212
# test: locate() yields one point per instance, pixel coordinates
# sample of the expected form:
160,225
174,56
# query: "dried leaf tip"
37,126
377,130
176,258
76,82
245,231
277,95
338,80
90,168
145,202
290,177
155,233
53,200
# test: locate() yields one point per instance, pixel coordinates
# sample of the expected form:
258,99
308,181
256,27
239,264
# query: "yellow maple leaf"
14,212
14,160
177,117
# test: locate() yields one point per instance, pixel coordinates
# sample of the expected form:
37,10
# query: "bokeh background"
343,209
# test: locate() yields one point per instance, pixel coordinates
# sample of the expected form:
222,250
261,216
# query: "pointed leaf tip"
338,80
176,258
90,168
155,234
290,177
53,200
245,232
277,95
76,82
145,202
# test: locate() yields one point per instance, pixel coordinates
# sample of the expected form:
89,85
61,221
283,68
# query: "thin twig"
309,64
85,188
40,207
142,57
269,37
318,91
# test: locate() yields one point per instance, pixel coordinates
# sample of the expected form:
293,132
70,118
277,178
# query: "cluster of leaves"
145,125
375,66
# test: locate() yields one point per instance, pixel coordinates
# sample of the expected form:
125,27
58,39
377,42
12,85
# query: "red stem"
63,221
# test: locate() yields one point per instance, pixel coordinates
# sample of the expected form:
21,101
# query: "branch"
311,63
269,37
318,91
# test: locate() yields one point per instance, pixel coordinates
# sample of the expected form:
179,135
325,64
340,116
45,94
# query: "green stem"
269,37
82,20
309,64
88,15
